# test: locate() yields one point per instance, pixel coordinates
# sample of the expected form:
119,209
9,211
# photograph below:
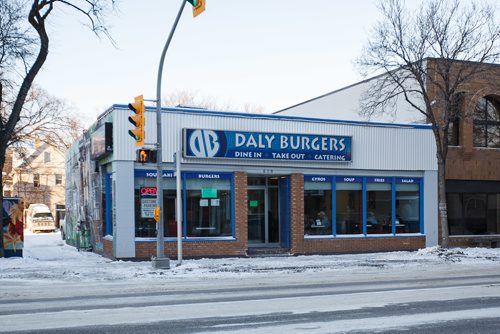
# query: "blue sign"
407,180
349,179
208,176
379,179
199,143
317,178
152,173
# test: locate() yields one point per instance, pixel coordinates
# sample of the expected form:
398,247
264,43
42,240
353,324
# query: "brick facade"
299,244
466,162
107,248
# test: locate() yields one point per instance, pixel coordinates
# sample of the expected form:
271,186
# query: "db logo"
204,143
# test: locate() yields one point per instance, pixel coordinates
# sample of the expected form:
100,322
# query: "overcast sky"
266,53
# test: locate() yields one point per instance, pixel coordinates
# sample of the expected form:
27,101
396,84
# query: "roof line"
376,77
279,117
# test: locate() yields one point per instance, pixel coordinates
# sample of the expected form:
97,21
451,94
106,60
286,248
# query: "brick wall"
466,162
297,213
107,248
362,245
492,241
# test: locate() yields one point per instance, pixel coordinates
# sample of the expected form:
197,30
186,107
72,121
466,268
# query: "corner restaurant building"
256,181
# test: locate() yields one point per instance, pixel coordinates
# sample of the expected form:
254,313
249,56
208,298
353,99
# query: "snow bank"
48,258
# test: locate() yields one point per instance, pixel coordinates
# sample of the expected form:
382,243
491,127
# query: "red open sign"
148,191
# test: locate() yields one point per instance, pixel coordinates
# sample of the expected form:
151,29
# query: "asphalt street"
385,302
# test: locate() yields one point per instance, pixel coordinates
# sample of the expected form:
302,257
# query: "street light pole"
162,262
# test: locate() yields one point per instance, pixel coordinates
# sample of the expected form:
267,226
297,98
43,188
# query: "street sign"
198,8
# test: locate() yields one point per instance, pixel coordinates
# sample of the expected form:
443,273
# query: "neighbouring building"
473,161
39,178
251,182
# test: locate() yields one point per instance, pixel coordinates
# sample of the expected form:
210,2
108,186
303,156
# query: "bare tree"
428,58
191,99
24,51
48,119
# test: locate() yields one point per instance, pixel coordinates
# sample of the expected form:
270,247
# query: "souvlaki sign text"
199,143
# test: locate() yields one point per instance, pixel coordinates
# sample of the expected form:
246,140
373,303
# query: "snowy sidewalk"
47,259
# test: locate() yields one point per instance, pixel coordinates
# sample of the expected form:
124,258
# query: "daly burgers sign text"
199,143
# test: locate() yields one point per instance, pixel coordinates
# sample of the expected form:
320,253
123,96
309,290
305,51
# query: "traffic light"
137,120
198,6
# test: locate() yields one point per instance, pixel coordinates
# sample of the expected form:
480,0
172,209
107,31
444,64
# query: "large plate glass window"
378,205
208,205
145,202
317,205
407,205
349,199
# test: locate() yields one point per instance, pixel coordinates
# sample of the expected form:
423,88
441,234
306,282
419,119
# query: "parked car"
39,218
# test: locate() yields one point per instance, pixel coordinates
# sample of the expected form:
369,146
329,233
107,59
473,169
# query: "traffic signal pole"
162,262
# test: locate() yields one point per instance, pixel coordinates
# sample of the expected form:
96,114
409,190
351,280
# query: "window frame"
36,180
393,182
484,122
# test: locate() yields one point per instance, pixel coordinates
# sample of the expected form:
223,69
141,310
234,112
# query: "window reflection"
349,208
473,213
317,208
407,208
378,208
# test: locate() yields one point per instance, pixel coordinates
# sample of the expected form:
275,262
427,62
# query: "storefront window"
318,207
145,225
379,207
473,213
407,208
208,205
145,202
349,207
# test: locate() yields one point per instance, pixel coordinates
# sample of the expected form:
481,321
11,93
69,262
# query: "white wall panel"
374,147
123,206
344,104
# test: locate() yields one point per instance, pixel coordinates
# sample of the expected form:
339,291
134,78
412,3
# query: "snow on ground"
48,258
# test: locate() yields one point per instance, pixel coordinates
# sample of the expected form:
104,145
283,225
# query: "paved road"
390,302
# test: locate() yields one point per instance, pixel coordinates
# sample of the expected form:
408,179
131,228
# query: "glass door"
257,216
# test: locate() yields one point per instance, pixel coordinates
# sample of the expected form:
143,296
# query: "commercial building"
253,182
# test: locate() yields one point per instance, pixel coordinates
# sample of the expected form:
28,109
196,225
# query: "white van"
39,218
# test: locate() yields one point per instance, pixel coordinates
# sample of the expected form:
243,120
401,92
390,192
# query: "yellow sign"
157,214
199,8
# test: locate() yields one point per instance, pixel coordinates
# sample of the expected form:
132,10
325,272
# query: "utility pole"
160,261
